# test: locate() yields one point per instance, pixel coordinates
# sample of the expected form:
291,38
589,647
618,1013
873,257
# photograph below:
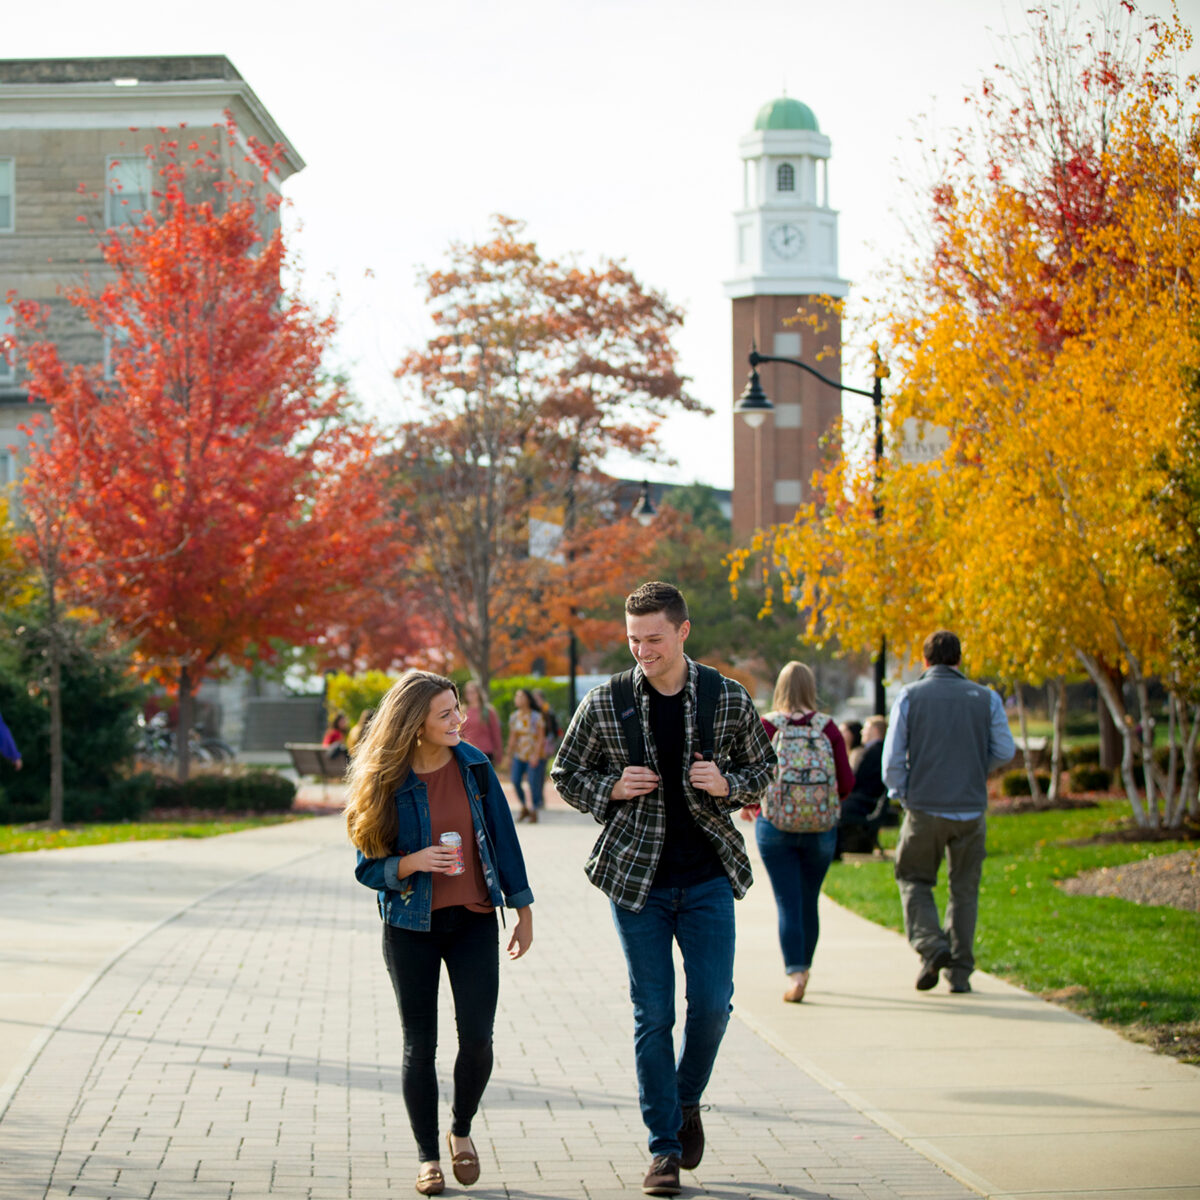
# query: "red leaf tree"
212,491
537,370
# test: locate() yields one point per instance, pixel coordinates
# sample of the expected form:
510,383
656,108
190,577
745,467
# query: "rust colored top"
450,810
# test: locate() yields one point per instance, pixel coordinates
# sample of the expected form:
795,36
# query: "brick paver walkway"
250,1048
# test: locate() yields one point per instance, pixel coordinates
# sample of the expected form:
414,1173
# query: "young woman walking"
527,751
797,862
412,782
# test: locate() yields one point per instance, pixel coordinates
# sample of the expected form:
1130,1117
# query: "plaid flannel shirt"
593,755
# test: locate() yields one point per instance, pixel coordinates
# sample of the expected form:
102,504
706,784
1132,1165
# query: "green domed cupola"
786,113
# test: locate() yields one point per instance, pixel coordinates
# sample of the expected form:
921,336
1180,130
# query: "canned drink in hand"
454,841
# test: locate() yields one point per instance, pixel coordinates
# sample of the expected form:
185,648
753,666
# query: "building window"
8,468
7,195
785,178
8,371
115,335
127,189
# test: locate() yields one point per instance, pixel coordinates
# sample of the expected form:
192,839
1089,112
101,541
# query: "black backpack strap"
708,691
626,706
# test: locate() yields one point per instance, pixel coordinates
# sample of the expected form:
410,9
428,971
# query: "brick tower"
786,259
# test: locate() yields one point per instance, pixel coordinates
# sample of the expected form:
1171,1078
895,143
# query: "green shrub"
227,791
1087,778
1016,783
1083,754
99,711
353,693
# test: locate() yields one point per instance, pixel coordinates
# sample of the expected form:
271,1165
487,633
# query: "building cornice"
146,105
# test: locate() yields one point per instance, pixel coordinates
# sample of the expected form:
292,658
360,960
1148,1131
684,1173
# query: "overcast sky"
610,126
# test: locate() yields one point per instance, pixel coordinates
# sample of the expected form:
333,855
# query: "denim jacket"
407,902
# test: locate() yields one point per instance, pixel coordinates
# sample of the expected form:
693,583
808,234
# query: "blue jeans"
536,774
796,864
701,920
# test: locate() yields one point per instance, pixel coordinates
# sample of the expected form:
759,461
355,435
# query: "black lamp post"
754,406
644,511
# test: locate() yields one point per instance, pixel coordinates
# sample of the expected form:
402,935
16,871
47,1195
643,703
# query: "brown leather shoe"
663,1177
431,1181
464,1164
691,1137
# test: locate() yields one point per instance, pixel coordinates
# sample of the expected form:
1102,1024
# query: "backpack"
708,688
803,796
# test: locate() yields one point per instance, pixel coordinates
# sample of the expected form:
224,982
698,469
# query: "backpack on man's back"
803,796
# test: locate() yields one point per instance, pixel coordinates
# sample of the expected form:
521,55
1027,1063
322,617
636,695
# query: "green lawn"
17,838
1112,960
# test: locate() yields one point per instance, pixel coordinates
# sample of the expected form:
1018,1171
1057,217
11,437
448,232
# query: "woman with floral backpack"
796,826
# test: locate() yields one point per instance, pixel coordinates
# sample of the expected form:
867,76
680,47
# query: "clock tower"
786,254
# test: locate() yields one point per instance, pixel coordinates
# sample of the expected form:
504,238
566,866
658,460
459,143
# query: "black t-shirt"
688,857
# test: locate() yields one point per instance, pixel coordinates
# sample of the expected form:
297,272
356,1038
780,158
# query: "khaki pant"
924,841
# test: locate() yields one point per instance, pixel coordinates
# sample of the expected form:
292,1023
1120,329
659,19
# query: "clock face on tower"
786,240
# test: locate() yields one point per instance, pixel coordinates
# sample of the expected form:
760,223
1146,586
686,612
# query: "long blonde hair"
795,689
382,759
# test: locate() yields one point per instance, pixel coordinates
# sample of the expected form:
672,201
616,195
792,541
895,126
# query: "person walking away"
945,734
527,749
864,810
796,827
481,722
661,756
436,842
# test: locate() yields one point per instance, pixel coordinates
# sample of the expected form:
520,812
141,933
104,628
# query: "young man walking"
669,858
946,733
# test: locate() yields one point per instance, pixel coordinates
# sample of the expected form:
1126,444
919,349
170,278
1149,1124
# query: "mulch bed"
1166,879
1025,804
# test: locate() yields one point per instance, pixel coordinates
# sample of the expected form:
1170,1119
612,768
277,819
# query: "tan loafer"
795,993
431,1181
465,1164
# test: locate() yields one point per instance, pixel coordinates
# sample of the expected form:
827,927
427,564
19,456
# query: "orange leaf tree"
1047,327
537,369
208,493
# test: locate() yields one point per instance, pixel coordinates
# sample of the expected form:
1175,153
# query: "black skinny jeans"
468,944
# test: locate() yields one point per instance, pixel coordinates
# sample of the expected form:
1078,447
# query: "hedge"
1086,778
227,791
1016,783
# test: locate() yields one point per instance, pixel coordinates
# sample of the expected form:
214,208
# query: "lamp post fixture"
644,511
754,407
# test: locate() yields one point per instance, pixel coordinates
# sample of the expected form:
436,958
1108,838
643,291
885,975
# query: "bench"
311,758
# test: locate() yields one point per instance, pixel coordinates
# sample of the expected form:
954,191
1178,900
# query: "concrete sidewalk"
212,1019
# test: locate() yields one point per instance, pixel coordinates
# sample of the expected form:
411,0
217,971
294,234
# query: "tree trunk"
1115,705
1110,730
1058,707
183,727
1035,788
1171,777
1186,797
54,688
1145,736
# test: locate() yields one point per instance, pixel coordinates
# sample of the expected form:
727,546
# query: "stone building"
74,135
787,259
73,140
